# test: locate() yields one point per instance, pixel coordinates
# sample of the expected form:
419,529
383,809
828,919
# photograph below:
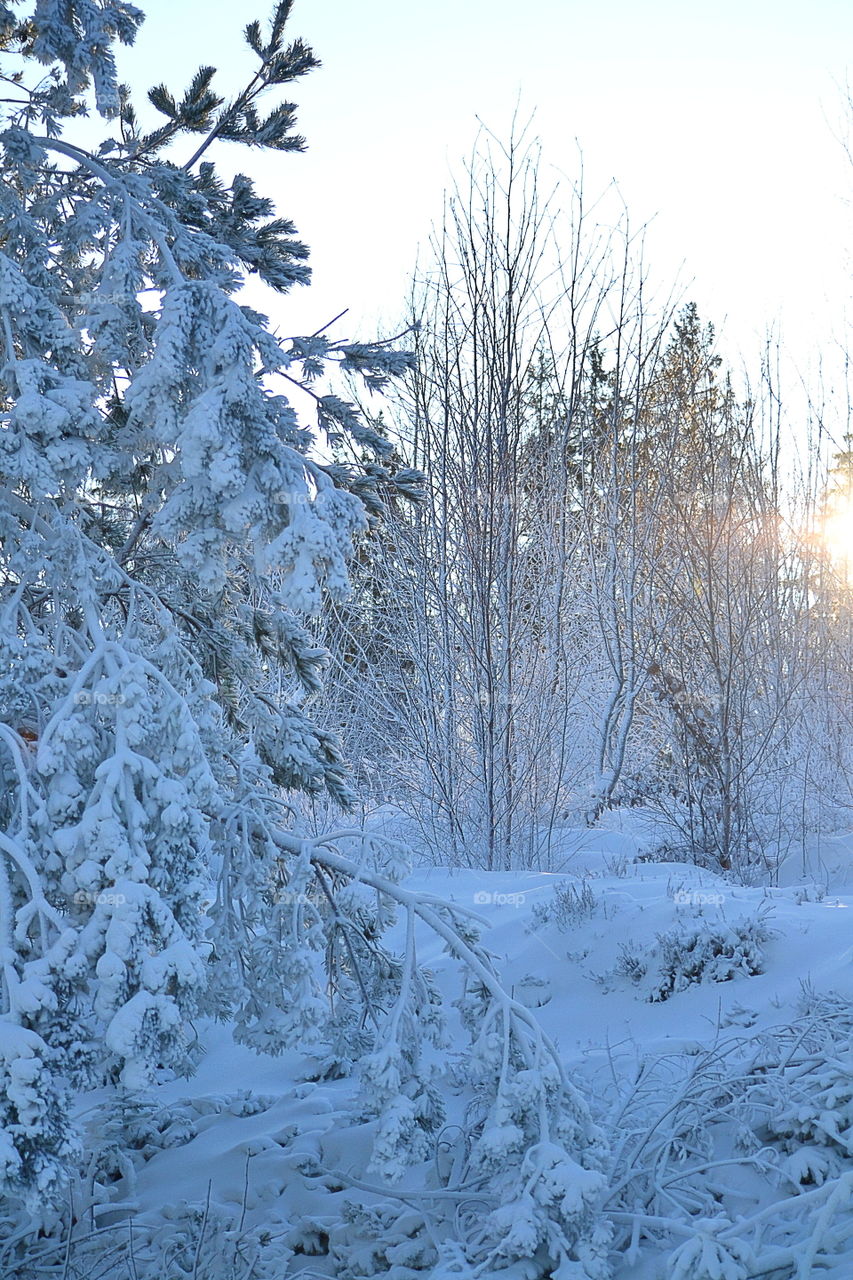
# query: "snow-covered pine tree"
162,525
165,520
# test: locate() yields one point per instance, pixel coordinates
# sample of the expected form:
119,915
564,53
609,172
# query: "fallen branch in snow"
427,908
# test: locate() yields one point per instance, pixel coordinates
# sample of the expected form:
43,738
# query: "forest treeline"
615,591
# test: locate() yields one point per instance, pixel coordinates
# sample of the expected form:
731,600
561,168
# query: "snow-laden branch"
426,907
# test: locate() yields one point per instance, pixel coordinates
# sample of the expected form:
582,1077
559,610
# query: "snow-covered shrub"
707,953
630,964
568,905
382,1240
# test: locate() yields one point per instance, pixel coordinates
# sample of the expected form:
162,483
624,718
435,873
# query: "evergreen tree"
723,652
162,525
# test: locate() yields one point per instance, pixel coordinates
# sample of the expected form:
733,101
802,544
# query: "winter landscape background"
425,761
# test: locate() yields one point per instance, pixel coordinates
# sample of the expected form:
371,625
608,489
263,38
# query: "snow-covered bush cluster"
706,951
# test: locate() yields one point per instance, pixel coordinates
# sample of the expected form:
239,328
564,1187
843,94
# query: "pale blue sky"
718,122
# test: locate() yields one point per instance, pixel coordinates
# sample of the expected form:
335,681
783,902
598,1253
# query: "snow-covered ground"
674,997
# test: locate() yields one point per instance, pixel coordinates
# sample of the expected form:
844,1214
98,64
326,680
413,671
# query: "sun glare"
837,533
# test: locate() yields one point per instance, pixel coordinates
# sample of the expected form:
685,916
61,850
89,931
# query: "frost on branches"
165,521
